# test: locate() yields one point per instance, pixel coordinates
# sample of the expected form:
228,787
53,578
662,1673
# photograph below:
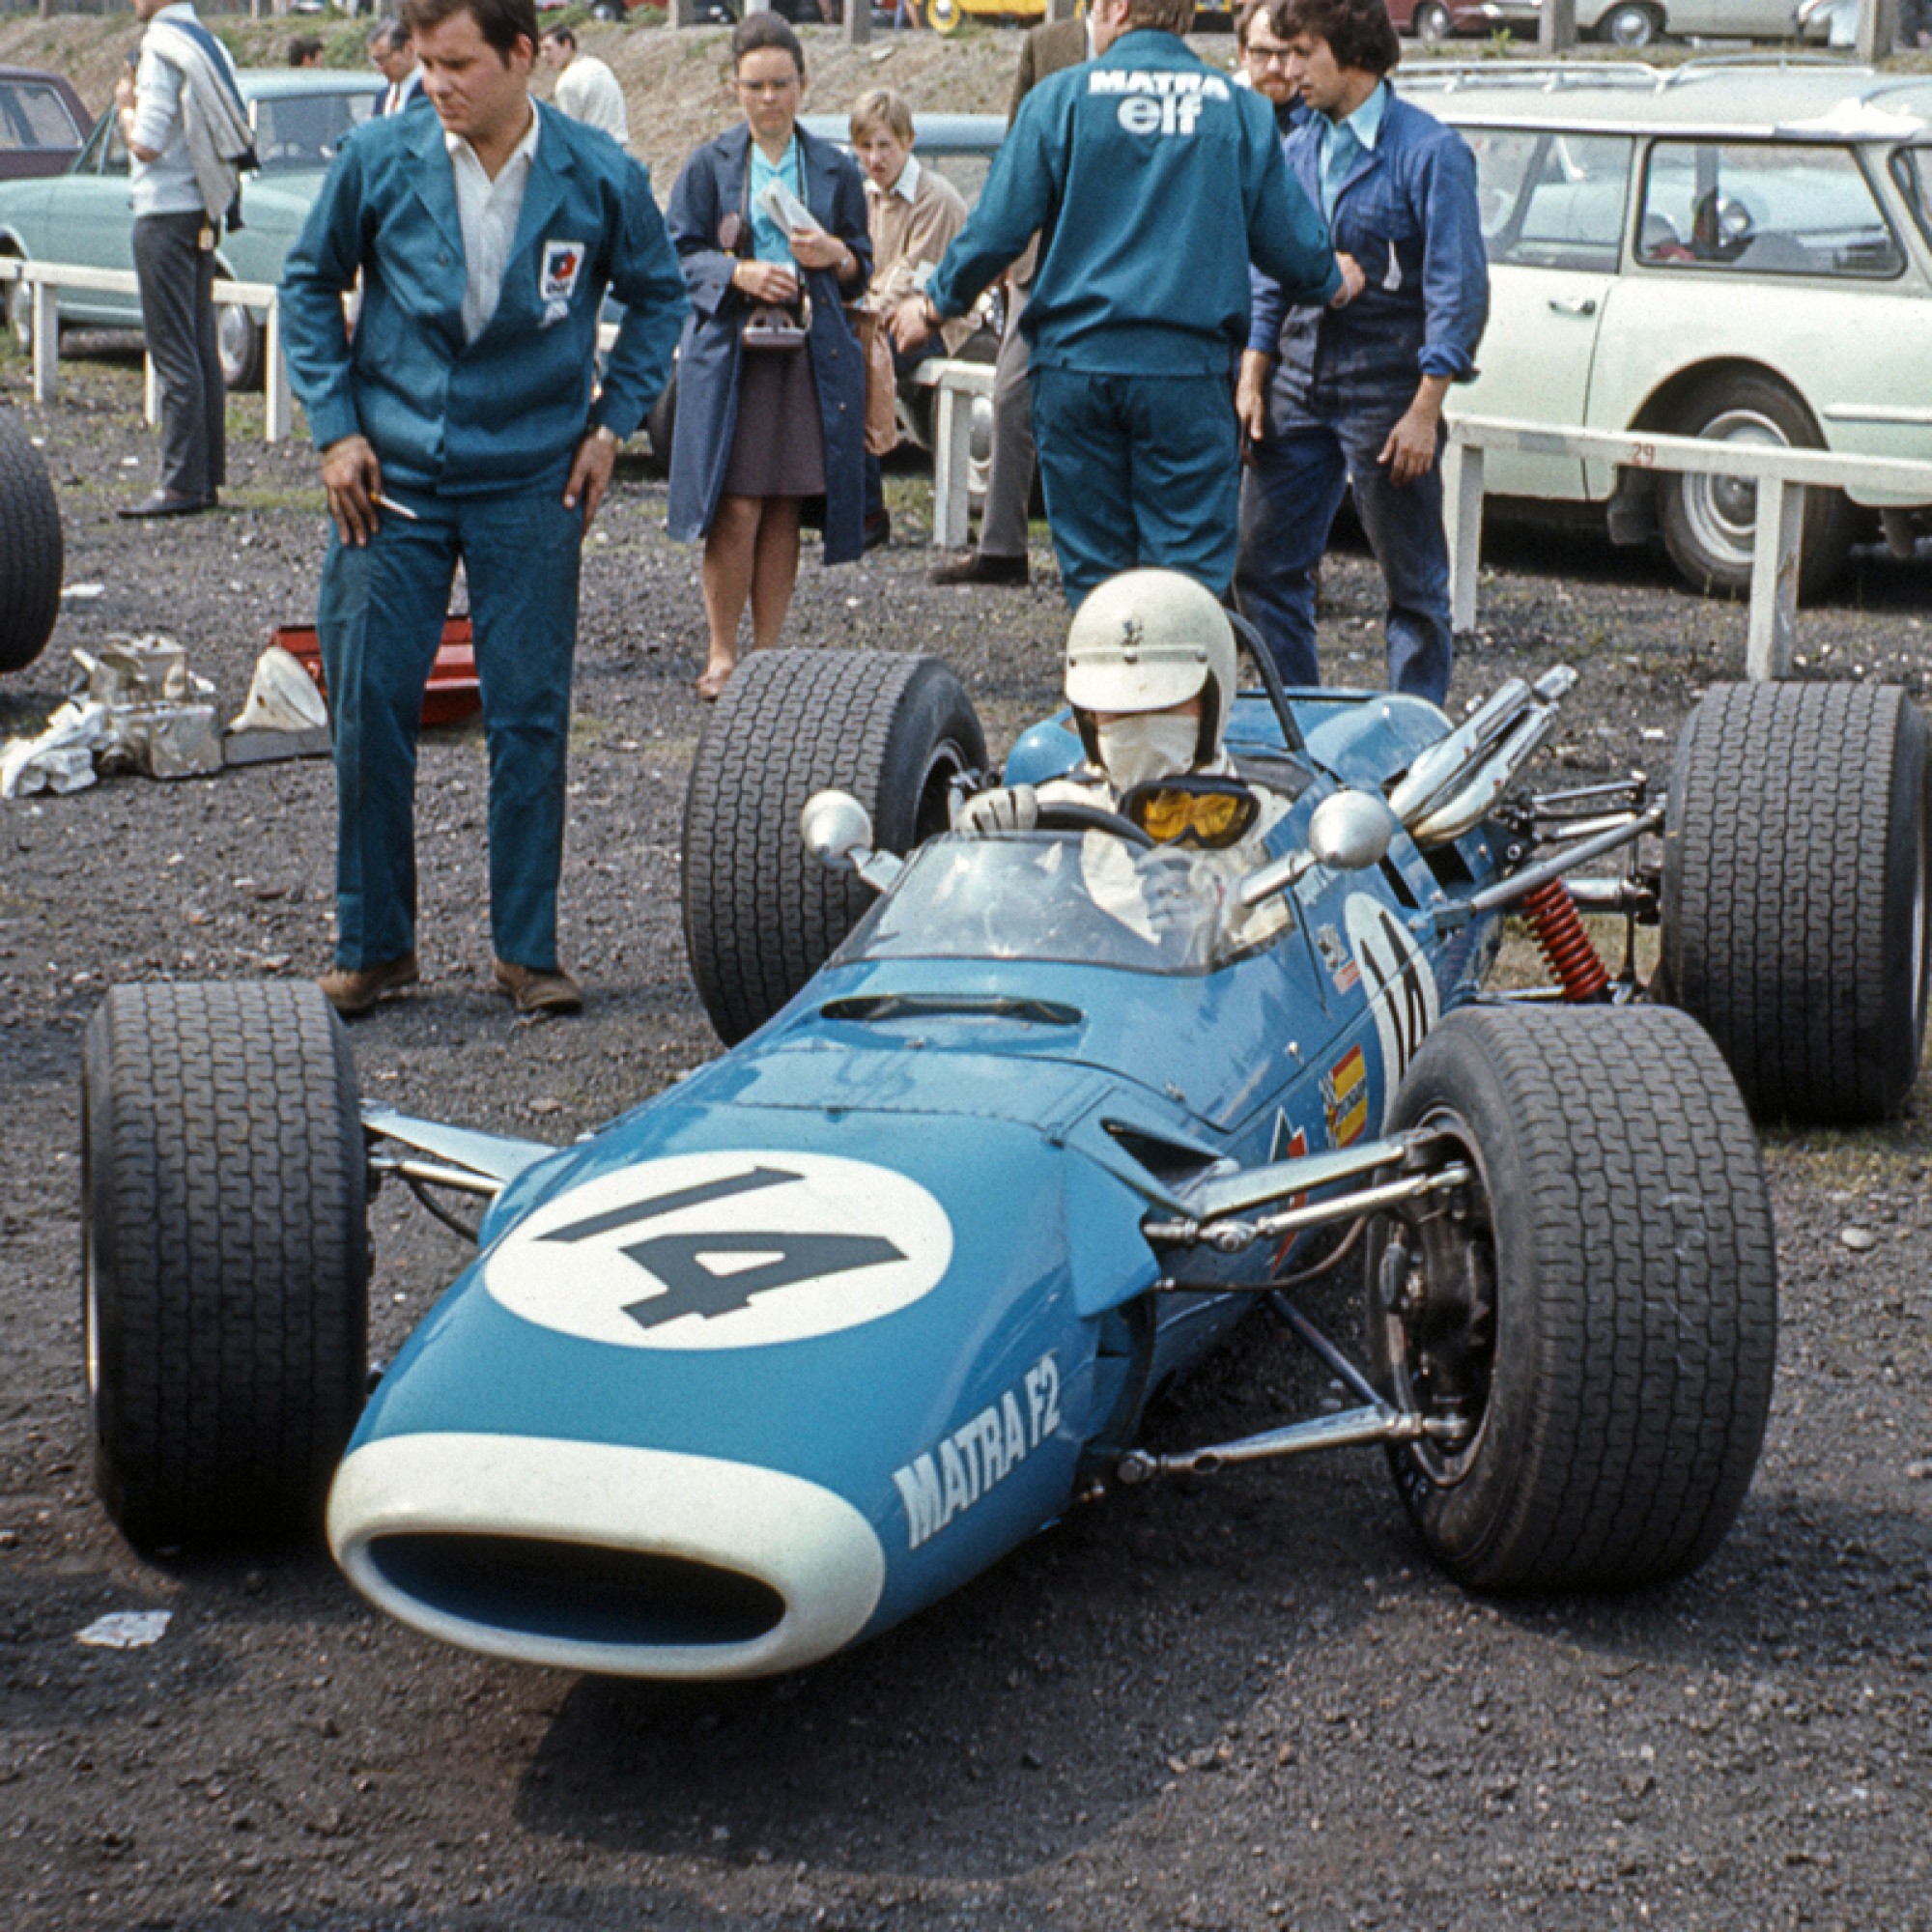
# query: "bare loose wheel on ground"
32,552
1798,892
1590,1324
226,1263
1710,523
761,915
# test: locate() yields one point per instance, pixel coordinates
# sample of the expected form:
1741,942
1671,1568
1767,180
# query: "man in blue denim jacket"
1352,393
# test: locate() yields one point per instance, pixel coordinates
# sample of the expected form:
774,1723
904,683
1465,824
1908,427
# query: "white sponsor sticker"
728,1250
1400,983
562,264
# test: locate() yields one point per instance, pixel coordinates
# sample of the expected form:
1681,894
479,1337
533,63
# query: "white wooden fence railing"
47,279
1780,476
955,385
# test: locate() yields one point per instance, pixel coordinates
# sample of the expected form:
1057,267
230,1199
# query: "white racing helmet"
1147,640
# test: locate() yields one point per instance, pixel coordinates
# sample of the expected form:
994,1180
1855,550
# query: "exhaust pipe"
1456,779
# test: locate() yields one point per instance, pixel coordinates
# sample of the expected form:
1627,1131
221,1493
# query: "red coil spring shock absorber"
1559,927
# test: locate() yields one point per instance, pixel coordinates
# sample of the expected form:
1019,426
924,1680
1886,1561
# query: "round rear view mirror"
835,826
1350,831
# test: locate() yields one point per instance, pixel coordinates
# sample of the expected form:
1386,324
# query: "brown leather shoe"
354,990
534,991
975,566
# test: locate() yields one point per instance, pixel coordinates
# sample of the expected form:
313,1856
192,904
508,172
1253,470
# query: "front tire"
1631,26
1797,907
1596,1312
1710,523
20,316
945,16
226,1260
761,915
238,337
1432,23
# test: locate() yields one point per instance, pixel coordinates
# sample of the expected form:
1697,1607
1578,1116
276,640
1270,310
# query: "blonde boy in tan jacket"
913,213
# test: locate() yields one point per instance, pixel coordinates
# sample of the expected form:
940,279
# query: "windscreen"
1078,898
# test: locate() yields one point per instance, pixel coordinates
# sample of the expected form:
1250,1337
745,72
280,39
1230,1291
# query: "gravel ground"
1237,1703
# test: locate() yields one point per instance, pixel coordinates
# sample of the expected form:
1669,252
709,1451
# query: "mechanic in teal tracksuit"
459,422
1154,182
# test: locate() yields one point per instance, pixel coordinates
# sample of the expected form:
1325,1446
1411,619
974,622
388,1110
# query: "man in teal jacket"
1154,182
458,422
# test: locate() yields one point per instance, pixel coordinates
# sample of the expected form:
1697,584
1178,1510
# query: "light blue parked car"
83,217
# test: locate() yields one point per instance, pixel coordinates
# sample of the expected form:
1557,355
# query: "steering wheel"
1066,815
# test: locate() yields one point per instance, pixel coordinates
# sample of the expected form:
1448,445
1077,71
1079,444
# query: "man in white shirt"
174,254
587,90
394,55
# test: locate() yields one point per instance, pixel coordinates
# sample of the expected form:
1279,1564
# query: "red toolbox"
451,694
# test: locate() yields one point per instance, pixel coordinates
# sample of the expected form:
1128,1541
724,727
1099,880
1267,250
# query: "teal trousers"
381,618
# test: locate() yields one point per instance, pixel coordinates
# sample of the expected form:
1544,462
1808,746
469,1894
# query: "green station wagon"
82,217
1738,248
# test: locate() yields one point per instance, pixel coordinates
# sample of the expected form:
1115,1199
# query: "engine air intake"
584,1593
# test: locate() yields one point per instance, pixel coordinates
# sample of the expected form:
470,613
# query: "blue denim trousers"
1289,494
380,617
1140,470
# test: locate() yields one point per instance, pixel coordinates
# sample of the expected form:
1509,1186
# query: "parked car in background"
42,122
81,217
1431,22
1622,23
1731,249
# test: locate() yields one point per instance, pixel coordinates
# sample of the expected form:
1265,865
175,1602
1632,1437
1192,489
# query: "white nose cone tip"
594,1557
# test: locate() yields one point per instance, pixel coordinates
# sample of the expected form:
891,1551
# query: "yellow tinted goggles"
1207,812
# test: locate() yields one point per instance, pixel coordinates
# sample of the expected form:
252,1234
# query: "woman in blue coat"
759,430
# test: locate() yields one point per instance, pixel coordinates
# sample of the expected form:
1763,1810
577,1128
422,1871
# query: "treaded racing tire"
761,915
1797,891
32,552
1620,1232
226,1264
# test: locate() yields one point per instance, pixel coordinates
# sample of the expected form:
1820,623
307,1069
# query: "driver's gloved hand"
1006,809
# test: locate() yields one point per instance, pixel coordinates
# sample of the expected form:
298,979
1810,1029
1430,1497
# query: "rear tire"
1597,1307
33,554
662,423
1432,23
1798,892
226,1263
1710,523
761,915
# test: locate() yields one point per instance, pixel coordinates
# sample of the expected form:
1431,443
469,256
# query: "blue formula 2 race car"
825,1329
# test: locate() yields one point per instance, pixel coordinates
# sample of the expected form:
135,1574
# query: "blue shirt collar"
1366,122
